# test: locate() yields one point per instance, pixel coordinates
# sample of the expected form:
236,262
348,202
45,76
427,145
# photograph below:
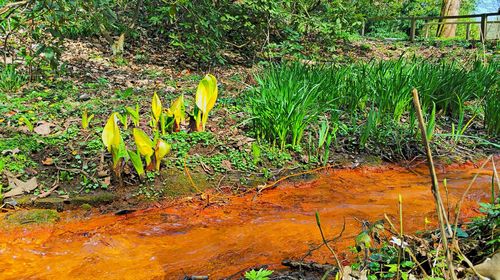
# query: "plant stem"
318,222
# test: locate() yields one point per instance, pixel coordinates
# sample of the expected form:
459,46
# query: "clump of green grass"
292,98
288,99
492,113
10,79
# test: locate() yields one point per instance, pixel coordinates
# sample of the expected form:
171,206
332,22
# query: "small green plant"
458,131
261,274
134,114
325,135
27,122
86,119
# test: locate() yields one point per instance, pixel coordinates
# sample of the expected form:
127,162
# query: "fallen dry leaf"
43,129
48,161
107,181
19,187
13,151
227,165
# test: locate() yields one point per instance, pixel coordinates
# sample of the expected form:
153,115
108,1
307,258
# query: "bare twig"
309,253
76,170
444,224
50,191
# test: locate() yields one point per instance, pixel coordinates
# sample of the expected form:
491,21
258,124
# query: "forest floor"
71,168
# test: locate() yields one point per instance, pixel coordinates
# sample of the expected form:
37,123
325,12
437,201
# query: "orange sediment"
191,238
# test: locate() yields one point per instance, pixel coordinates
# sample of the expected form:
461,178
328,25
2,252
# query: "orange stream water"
187,238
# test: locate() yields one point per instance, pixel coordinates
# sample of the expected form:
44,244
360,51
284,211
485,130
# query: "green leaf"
137,163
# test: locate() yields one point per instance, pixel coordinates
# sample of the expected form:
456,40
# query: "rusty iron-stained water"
190,238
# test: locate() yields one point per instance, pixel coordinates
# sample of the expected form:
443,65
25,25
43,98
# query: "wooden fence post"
467,32
484,31
412,30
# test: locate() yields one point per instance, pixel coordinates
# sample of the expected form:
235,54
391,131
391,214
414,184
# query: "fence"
483,23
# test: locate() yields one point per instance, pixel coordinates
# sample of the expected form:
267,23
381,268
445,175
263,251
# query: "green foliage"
484,228
261,274
405,8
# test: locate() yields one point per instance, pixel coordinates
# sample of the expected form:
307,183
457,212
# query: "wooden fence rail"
413,23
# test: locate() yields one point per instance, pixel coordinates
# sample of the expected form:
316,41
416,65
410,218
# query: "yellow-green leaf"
86,119
143,143
161,150
206,95
178,110
156,107
111,133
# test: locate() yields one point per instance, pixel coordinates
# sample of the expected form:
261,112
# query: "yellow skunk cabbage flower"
143,143
179,112
156,107
161,150
86,119
111,133
206,95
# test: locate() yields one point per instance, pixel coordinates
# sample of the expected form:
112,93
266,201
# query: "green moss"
34,216
86,207
94,199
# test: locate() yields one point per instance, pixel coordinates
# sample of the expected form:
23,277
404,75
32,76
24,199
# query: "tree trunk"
449,8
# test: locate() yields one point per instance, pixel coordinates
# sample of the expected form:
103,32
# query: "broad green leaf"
137,163
111,133
161,150
363,240
156,107
27,123
143,143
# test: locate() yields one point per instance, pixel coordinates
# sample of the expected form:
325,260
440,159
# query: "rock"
490,267
84,97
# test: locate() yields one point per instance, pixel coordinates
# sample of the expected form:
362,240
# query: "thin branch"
339,264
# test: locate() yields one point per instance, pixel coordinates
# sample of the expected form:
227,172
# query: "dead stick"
435,188
495,173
